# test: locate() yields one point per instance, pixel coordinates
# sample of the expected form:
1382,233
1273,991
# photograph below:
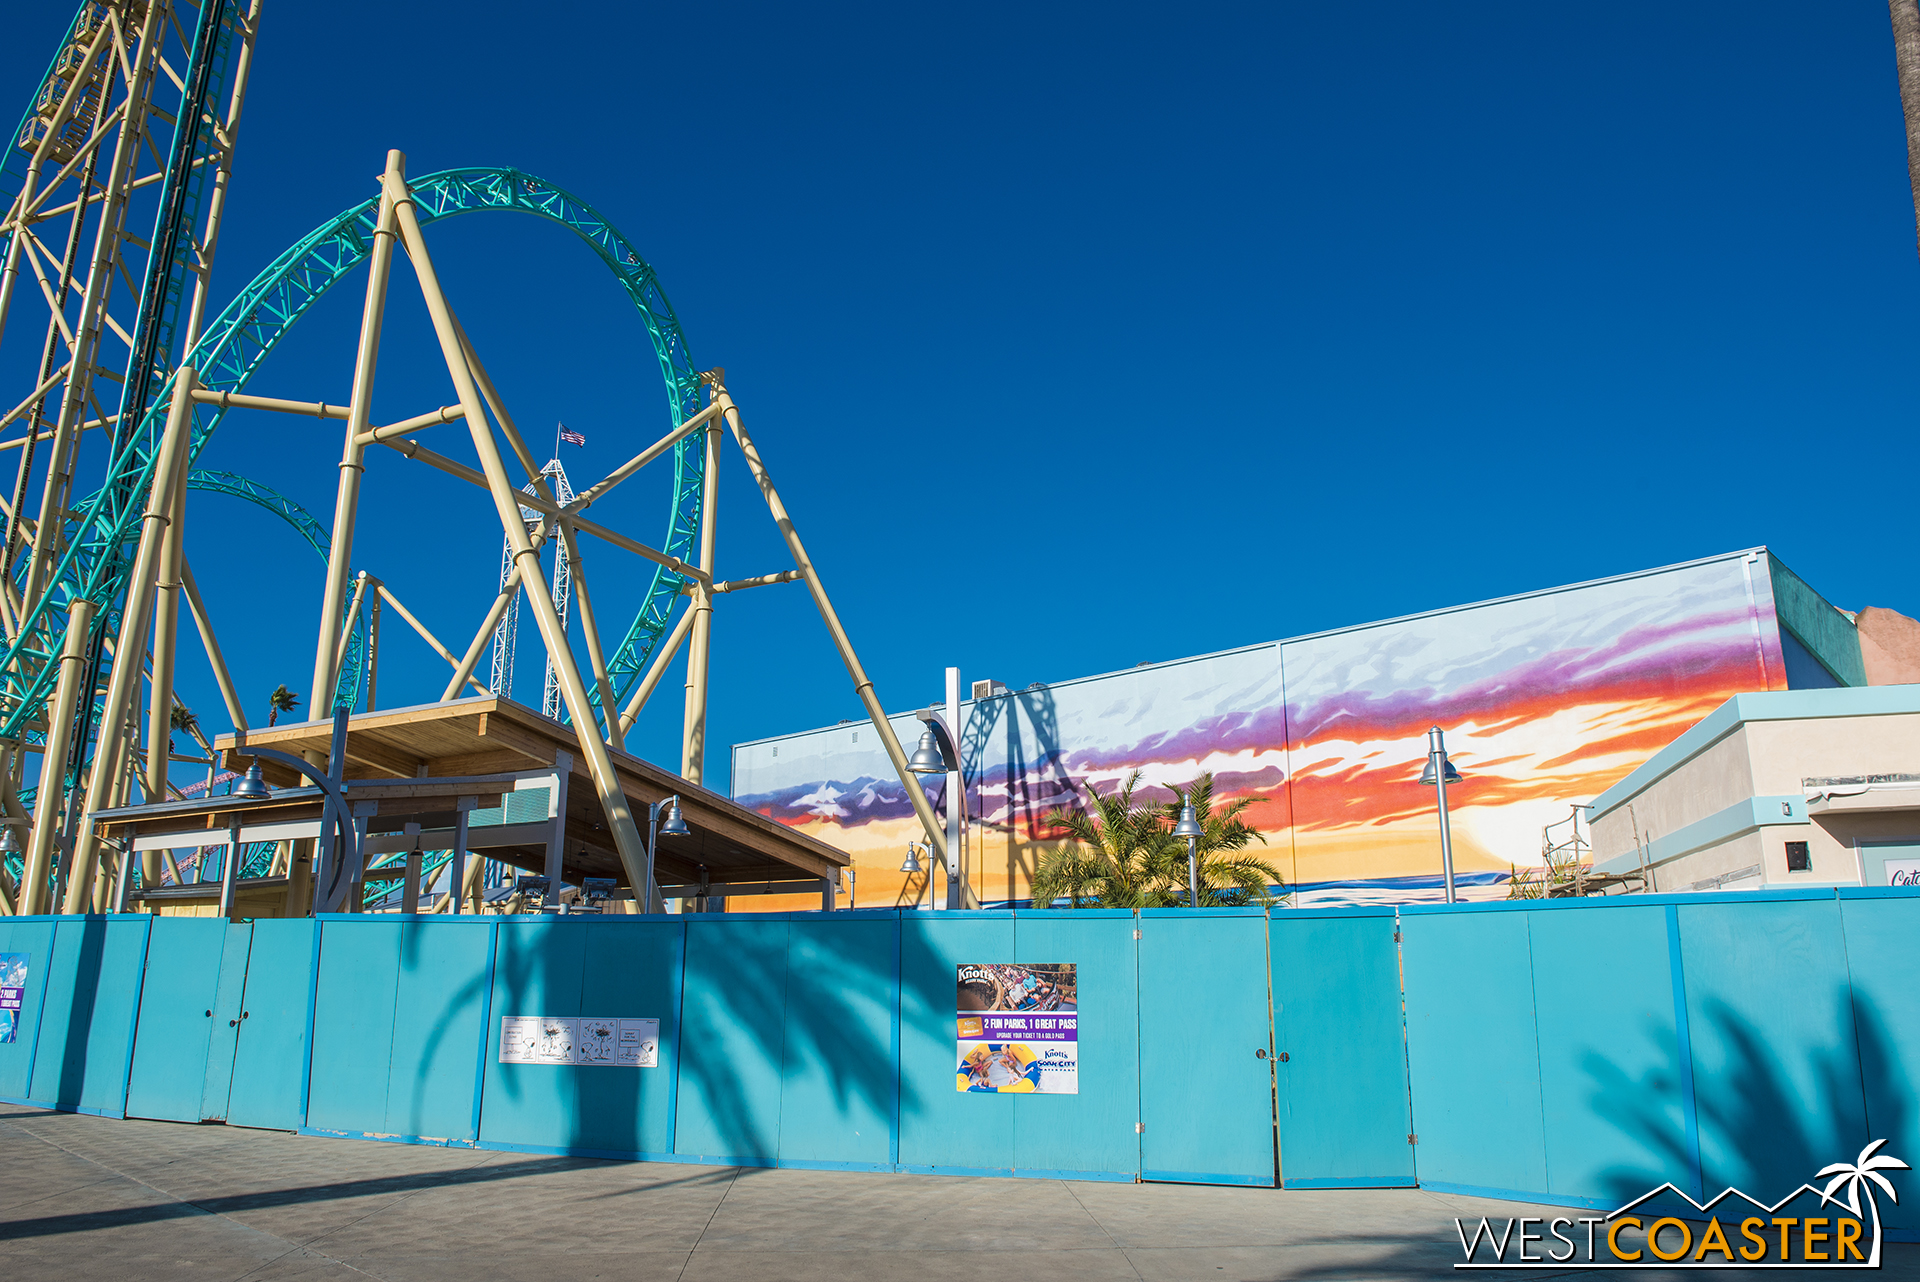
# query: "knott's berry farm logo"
1740,1232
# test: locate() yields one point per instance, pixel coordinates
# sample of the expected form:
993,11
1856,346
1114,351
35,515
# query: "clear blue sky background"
1078,338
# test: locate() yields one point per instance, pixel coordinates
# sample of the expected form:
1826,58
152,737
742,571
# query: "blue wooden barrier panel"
941,1130
85,1039
229,1013
440,1022
1614,1109
1094,1134
176,1018
269,1080
32,939
1775,1057
538,964
1575,1052
1473,1057
1336,1015
1881,924
607,967
398,1024
632,970
353,1007
732,1021
838,1040
1205,1038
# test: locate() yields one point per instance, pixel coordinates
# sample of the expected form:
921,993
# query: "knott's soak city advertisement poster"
1019,1028
13,992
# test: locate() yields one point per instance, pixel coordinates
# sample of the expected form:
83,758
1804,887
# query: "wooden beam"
381,757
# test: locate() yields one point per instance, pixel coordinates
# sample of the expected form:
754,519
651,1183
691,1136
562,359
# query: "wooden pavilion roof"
491,736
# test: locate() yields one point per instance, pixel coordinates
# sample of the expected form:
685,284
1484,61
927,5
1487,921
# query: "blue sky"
1082,337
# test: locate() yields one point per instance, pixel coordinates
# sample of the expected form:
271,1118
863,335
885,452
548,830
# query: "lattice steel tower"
503,637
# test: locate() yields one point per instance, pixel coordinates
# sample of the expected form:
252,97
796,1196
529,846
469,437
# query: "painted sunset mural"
1546,699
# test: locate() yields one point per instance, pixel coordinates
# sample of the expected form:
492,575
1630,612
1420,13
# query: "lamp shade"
674,826
912,862
926,759
252,785
1426,776
9,842
1189,825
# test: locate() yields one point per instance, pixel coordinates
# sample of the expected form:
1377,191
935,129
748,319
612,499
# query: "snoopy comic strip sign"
581,1040
1018,1028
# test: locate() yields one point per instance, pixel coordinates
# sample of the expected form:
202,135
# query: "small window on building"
856,736
776,749
1798,860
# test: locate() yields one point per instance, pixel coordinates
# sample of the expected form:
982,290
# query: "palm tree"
1855,1176
1125,856
181,717
1228,878
1117,854
281,700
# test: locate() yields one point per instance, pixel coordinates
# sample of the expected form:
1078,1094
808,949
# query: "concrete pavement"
89,1197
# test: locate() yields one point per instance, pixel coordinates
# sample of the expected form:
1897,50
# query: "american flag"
572,437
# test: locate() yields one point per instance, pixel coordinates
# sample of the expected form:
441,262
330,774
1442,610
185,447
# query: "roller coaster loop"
101,530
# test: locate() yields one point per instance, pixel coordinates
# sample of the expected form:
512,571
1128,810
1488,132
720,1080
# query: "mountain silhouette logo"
1765,1239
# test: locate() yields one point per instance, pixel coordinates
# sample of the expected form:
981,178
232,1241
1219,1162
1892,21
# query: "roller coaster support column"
53,760
693,752
166,629
85,347
123,687
862,684
506,501
352,458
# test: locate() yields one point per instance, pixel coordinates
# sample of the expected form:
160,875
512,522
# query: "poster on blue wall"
582,1040
13,992
1018,1028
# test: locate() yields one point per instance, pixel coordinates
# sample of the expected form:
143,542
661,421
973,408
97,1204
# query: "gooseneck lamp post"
674,826
911,864
1438,774
939,753
1189,828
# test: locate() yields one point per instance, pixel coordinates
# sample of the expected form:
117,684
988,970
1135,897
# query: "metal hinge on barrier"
1136,934
1413,1139
1139,1128
1396,936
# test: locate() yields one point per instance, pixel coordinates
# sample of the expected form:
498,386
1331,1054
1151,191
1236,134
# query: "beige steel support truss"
161,577
506,499
49,804
123,686
352,465
693,747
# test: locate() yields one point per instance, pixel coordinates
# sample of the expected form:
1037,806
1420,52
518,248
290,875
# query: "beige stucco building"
1785,788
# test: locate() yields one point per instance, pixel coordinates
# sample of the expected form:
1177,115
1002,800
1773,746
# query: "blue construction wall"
1573,1052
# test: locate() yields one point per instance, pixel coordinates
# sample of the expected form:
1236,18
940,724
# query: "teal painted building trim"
1736,820
1772,705
1816,623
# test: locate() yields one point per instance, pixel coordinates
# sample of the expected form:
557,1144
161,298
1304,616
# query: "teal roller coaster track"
103,529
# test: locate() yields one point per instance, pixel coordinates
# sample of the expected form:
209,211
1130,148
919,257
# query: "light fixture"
252,786
9,843
912,864
1438,774
674,826
1189,825
926,759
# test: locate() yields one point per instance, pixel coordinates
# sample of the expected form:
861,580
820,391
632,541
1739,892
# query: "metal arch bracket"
336,819
943,737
